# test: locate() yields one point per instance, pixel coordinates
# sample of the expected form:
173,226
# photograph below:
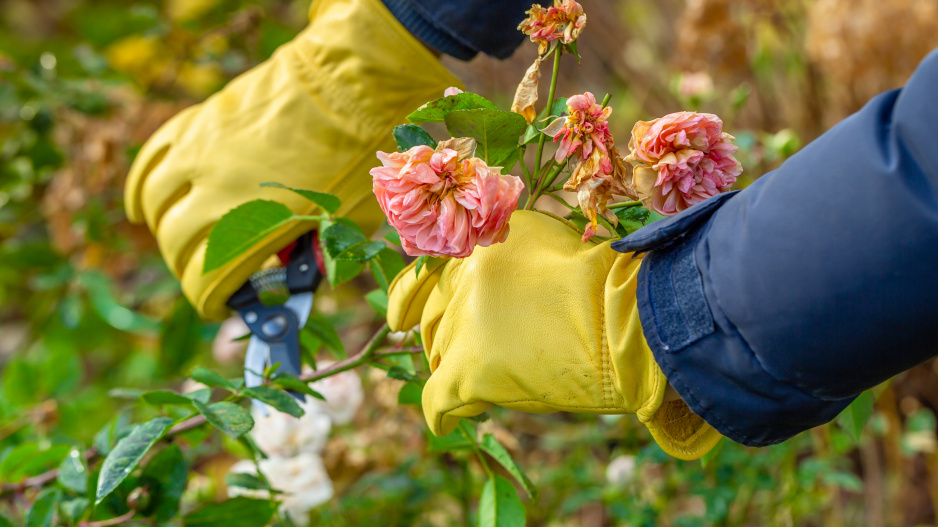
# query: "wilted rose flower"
681,159
284,435
585,127
598,174
441,205
563,21
302,479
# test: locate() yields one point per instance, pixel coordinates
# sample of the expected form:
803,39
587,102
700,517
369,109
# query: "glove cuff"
640,381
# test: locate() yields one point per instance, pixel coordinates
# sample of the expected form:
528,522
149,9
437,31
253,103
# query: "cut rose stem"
550,103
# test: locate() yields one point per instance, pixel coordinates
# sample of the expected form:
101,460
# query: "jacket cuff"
699,350
425,31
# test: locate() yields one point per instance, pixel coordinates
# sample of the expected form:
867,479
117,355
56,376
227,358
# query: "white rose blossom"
620,470
302,479
284,435
343,393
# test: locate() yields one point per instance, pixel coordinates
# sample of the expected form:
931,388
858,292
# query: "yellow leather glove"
312,117
540,323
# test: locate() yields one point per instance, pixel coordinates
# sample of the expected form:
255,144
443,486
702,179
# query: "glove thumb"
442,405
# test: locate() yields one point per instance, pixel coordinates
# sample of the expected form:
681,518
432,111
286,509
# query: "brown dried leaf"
526,94
465,146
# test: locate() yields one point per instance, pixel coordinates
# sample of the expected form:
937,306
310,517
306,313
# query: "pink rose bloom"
442,206
563,21
681,159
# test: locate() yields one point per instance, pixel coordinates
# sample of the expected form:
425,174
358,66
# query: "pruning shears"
275,329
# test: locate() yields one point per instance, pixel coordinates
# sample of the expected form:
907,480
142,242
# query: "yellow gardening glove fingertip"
681,433
442,406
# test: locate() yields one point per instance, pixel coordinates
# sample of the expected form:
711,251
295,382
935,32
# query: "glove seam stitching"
604,351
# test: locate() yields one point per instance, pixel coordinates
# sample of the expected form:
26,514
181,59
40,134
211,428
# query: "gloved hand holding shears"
311,117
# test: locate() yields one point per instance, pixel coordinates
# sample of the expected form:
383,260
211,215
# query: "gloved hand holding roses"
540,323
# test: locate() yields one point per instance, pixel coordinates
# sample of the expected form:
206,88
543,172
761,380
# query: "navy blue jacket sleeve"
465,28
770,309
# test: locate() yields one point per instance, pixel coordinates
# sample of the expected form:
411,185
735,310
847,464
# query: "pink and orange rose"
680,160
442,205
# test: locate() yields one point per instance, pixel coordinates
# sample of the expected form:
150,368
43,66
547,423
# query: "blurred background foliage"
87,306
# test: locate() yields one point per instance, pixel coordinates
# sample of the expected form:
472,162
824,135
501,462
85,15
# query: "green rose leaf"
72,509
73,474
242,228
361,251
326,202
161,397
277,398
240,511
495,449
630,219
326,333
289,381
16,459
855,416
40,515
247,481
338,237
180,336
378,300
228,417
495,131
165,476
453,441
393,237
430,262
27,460
127,453
410,394
712,454
211,378
340,271
500,505
385,266
118,428
437,111
408,136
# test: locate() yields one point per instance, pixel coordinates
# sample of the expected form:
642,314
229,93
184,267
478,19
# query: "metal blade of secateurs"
288,353
301,305
255,362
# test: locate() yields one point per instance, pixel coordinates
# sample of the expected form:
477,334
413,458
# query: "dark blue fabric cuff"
465,28
770,310
425,31
698,348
